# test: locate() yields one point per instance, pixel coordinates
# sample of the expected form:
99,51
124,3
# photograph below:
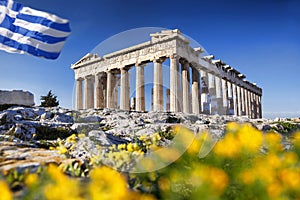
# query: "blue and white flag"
25,30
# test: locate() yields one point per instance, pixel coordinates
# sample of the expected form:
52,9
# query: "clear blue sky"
260,38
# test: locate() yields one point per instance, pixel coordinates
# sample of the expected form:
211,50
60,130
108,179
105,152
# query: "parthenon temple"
197,84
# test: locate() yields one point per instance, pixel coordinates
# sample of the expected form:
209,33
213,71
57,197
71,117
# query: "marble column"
124,93
158,86
224,97
234,97
205,106
185,74
195,91
230,97
219,95
259,106
168,100
110,90
174,83
98,91
255,105
243,101
78,96
246,102
249,104
104,83
212,93
140,88
89,92
238,88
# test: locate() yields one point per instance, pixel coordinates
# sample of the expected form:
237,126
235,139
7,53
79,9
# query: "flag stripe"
13,19
25,30
45,36
22,48
30,11
43,21
31,41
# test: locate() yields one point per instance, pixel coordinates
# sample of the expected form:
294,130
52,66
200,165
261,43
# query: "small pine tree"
50,100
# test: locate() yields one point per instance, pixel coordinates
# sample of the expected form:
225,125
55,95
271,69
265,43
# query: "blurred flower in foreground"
5,193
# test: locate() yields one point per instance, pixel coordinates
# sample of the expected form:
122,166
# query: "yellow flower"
248,177
273,141
296,139
228,147
290,178
250,138
289,159
273,160
274,190
164,184
31,180
72,138
5,193
155,137
63,187
232,127
122,146
107,183
195,146
131,147
216,178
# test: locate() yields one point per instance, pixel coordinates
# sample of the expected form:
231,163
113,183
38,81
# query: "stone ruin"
16,97
198,84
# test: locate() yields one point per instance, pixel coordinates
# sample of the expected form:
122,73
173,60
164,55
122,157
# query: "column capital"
79,79
183,61
174,56
140,64
90,76
159,60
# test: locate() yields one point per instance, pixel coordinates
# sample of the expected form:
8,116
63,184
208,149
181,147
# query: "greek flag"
25,30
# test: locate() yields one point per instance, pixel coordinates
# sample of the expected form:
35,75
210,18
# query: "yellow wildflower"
155,137
195,146
61,149
228,147
273,160
296,139
290,178
122,146
63,187
232,127
31,180
216,178
273,141
289,158
107,183
72,138
248,177
250,138
5,193
164,184
274,190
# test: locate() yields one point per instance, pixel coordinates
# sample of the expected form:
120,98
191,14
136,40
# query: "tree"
50,100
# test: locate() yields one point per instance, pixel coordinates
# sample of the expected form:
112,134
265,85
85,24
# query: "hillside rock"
41,127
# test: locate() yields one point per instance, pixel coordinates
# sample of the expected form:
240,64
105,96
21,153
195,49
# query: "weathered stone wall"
16,97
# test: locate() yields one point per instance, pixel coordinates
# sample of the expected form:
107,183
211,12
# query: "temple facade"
198,84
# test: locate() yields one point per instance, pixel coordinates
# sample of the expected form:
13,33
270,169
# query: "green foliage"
50,100
285,127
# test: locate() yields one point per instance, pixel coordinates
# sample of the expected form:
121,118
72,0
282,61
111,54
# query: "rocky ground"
27,133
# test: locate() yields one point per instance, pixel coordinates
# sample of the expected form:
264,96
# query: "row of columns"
226,96
221,95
